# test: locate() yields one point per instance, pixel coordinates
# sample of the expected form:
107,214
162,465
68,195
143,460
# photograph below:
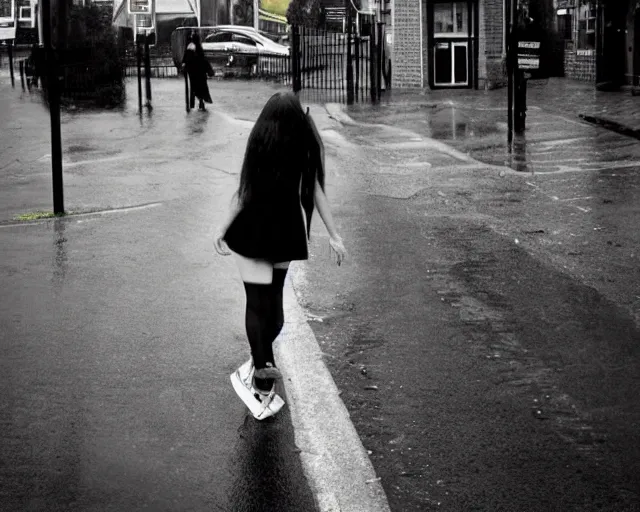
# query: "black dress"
198,68
273,227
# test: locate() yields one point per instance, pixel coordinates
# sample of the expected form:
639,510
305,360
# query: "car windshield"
220,37
255,36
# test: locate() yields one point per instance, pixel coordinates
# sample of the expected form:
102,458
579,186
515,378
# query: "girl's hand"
338,251
221,246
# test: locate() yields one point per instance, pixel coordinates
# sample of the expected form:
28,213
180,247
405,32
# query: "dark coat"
198,68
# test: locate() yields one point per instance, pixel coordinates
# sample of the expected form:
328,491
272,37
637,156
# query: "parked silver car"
240,40
235,50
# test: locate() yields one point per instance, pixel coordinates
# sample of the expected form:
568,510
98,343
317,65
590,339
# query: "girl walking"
281,182
197,67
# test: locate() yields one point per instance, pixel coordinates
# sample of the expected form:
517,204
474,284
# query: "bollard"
139,65
10,51
22,74
186,89
147,70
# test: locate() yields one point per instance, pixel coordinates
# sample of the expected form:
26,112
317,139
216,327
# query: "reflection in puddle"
456,124
268,474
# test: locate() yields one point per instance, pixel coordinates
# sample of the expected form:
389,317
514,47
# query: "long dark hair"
284,146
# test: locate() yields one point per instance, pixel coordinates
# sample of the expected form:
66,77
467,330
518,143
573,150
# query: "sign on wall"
139,6
529,54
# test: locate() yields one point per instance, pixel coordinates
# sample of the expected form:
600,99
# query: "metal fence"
321,61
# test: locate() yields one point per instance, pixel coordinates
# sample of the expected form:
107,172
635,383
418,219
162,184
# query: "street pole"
22,73
186,88
510,70
347,6
295,58
53,96
256,14
139,65
10,52
147,70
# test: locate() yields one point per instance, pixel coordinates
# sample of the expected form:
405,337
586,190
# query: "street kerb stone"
335,461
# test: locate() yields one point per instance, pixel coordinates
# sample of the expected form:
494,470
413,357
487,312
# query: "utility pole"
510,65
350,95
10,55
53,96
256,14
139,68
147,70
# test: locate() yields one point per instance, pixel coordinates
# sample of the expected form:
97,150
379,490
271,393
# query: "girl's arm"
218,243
335,241
322,205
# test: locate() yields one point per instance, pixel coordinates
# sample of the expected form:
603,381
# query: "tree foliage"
306,13
243,13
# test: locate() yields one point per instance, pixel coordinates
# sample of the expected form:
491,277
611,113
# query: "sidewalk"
557,95
557,137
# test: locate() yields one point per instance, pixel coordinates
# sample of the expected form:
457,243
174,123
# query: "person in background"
281,183
198,68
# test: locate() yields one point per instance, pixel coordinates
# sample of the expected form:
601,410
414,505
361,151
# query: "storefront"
448,43
602,40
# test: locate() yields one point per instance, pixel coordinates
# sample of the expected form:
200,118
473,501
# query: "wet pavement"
120,325
557,136
483,332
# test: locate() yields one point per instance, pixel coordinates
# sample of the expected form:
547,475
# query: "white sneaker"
261,404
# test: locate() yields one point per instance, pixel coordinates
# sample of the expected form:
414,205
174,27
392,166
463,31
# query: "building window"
25,13
587,26
451,18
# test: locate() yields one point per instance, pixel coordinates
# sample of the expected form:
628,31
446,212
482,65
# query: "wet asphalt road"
120,328
485,331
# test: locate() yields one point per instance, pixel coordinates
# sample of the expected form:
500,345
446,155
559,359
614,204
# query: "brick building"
447,44
601,40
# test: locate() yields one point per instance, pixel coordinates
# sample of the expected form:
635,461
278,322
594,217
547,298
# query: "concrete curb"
614,126
336,464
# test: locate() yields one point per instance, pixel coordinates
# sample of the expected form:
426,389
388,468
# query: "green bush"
305,13
92,62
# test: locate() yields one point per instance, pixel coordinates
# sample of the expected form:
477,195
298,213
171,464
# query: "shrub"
92,65
306,13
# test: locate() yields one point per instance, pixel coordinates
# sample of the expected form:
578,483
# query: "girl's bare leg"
257,277
253,270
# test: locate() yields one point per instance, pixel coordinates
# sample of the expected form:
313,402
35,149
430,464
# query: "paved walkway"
557,95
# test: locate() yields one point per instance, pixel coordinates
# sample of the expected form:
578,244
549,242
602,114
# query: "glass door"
451,63
460,63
